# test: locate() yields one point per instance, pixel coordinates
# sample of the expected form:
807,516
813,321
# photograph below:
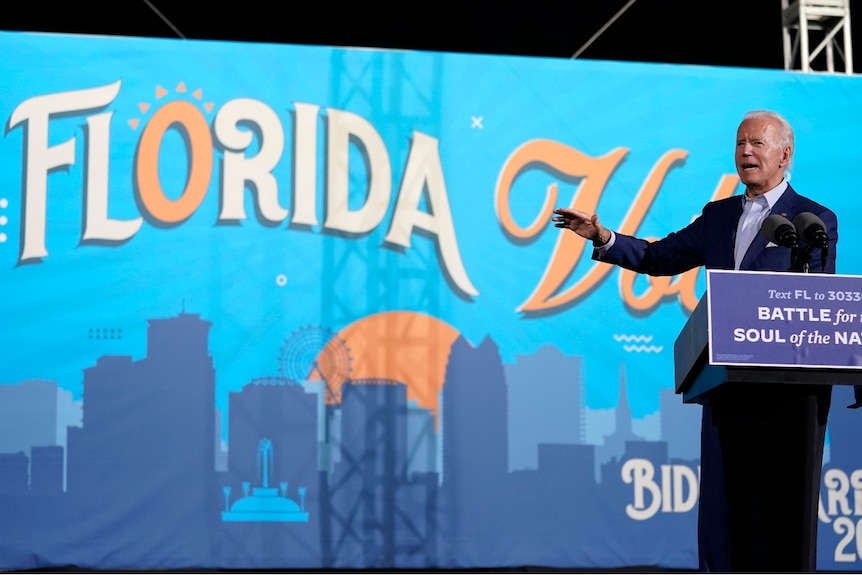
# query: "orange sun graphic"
407,347
161,93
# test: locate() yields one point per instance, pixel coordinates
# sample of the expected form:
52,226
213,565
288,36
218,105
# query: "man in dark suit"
761,446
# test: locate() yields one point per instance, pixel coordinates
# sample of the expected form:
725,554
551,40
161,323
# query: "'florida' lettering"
241,170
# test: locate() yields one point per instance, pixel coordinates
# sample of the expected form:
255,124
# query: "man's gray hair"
785,131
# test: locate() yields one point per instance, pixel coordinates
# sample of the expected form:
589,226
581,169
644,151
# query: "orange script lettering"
594,173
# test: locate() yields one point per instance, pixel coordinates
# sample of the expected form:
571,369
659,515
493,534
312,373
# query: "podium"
760,352
696,371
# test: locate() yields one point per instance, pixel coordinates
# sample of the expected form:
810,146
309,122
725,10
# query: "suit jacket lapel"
786,207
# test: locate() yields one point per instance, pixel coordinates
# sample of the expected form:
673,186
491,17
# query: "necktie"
749,225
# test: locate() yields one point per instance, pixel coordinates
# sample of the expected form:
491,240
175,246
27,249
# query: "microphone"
812,229
781,231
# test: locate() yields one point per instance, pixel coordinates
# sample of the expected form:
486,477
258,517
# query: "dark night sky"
716,32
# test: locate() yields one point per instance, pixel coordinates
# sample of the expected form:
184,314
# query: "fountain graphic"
264,503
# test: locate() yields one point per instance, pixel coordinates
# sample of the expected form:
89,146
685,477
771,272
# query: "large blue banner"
299,307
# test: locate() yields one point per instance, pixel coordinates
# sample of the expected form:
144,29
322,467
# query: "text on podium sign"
784,319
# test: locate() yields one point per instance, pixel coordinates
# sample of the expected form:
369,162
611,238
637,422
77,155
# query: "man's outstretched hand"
585,225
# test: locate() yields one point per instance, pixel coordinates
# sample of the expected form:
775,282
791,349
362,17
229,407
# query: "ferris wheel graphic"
316,352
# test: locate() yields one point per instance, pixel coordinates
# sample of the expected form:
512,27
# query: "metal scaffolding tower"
806,22
396,98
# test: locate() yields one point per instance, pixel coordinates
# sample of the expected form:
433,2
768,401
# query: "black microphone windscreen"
812,229
779,230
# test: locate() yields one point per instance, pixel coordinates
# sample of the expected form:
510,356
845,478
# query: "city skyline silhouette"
371,481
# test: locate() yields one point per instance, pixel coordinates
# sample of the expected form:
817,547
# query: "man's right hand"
583,224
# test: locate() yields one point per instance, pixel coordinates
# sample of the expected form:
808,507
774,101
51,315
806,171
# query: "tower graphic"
615,444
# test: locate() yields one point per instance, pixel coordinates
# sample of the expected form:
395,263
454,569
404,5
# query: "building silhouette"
546,404
28,415
680,425
378,514
46,470
14,474
423,445
475,452
147,425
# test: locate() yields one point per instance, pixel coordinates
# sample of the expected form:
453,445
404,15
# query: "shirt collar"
772,196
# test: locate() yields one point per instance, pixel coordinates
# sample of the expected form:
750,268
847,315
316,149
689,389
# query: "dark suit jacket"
709,241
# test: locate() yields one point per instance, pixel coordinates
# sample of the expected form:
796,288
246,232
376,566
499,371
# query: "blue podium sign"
784,319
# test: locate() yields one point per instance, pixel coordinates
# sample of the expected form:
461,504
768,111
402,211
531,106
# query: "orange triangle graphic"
208,106
143,107
181,87
134,124
160,92
198,94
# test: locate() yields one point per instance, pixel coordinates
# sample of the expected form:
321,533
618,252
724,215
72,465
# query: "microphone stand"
805,259
801,259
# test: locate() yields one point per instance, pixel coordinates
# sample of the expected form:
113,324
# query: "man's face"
760,158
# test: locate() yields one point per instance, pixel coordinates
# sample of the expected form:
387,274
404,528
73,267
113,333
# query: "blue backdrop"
273,306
